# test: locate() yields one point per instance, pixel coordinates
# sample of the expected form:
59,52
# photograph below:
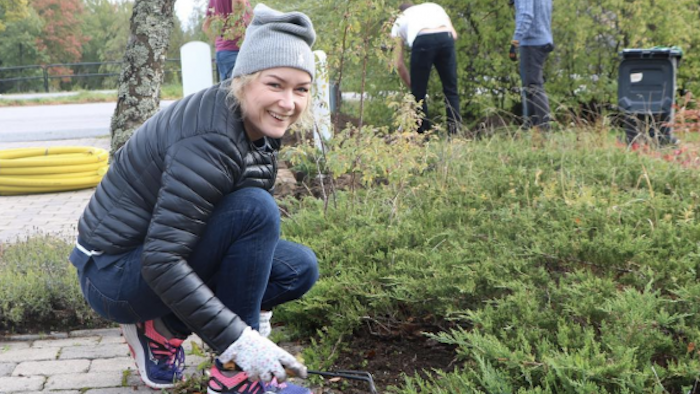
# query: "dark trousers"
436,49
536,104
239,256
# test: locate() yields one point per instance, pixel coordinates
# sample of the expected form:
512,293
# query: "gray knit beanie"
276,39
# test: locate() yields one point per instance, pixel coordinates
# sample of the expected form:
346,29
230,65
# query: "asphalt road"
56,122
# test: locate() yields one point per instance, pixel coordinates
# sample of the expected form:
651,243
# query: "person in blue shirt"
533,40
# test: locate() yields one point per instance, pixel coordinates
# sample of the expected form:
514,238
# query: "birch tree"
144,68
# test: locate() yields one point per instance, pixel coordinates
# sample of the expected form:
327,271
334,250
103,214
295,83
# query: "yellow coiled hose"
43,170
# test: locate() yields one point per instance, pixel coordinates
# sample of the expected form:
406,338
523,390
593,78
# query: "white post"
195,59
321,100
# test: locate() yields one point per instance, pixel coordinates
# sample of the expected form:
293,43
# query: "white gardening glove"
260,358
265,327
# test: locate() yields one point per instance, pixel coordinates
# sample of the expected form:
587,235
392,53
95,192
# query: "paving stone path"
90,362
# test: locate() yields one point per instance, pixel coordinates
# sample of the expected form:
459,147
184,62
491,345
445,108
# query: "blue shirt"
533,22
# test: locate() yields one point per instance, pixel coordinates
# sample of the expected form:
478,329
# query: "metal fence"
88,76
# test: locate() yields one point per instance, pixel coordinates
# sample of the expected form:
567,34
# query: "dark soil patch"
388,359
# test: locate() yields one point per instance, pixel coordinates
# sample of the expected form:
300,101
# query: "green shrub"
567,267
39,289
563,266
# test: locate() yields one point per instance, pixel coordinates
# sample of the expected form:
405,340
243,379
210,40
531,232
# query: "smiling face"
274,100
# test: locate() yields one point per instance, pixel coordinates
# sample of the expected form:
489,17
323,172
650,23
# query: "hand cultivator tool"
347,374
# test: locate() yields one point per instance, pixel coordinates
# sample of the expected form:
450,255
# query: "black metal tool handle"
349,374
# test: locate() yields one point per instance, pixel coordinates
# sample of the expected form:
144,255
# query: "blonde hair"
237,93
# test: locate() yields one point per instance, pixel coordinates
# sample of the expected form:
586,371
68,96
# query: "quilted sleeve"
198,172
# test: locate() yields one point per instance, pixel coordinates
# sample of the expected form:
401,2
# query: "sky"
183,9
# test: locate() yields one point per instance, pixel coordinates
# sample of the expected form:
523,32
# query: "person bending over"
427,30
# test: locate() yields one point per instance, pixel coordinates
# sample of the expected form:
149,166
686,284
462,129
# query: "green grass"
79,98
563,265
168,92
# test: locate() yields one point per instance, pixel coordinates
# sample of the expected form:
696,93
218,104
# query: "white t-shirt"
417,18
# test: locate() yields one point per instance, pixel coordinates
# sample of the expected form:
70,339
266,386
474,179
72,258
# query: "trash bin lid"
652,53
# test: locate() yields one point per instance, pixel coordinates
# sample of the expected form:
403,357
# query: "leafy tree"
18,48
143,72
178,38
61,39
18,45
106,24
11,11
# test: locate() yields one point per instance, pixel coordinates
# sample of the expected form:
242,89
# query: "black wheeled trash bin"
646,92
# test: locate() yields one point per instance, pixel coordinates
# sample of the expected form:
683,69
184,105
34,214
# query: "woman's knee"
252,205
309,272
300,262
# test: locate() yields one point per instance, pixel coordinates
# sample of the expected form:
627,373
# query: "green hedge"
39,290
567,268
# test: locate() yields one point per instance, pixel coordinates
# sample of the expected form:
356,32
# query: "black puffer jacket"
160,191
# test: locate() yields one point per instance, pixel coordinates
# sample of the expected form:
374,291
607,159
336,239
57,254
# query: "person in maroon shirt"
230,18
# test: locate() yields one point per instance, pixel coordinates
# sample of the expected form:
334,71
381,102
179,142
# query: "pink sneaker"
238,383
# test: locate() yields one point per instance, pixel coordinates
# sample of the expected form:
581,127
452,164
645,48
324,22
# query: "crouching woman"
183,235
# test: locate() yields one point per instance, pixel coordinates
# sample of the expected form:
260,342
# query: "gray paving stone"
103,332
93,352
81,341
122,390
84,381
38,337
4,346
112,364
111,340
51,392
7,368
50,368
21,384
21,355
134,380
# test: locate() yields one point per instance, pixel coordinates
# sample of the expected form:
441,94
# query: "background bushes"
581,73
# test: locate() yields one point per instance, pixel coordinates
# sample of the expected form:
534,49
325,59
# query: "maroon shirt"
224,7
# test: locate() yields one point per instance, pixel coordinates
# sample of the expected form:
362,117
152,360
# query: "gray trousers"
535,104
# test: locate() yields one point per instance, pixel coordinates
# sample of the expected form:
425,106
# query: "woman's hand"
261,359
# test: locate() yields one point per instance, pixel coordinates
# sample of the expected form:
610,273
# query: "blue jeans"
240,257
436,49
225,61
536,103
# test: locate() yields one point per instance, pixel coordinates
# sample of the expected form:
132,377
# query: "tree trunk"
144,65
